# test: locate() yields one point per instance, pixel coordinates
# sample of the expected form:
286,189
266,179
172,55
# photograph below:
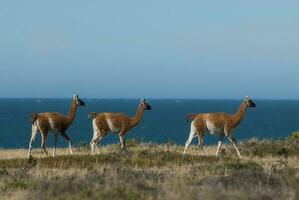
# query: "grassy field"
268,170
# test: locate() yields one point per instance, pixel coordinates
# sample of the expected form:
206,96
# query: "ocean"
271,119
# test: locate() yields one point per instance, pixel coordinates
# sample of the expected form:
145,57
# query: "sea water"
271,119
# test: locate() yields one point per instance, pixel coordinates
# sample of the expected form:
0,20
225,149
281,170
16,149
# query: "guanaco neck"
239,115
72,113
138,116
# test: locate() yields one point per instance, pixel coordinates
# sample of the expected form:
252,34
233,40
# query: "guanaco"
115,122
54,122
221,124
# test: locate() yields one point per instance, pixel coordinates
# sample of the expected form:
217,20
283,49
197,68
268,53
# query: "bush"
246,184
287,147
224,168
109,185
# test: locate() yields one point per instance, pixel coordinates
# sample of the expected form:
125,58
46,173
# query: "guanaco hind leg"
197,129
95,141
200,136
97,137
34,132
44,133
192,134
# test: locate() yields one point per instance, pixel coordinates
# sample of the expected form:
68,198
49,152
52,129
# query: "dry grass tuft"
268,170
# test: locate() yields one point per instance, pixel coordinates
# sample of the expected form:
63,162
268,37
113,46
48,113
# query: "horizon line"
155,98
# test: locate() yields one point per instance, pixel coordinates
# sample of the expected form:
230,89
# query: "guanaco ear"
247,98
76,97
142,100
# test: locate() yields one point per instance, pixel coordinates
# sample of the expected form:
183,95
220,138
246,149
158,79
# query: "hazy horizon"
158,49
148,98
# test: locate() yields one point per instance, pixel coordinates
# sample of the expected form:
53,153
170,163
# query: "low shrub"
286,147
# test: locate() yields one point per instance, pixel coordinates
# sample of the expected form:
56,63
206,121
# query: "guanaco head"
249,102
145,105
77,100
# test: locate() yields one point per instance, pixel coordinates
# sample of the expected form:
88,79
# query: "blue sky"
153,49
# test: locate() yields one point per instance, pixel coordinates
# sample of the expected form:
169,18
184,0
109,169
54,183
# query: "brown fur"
221,124
55,122
115,122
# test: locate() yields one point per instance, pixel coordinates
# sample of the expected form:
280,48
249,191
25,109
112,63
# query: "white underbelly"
213,129
52,125
112,126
